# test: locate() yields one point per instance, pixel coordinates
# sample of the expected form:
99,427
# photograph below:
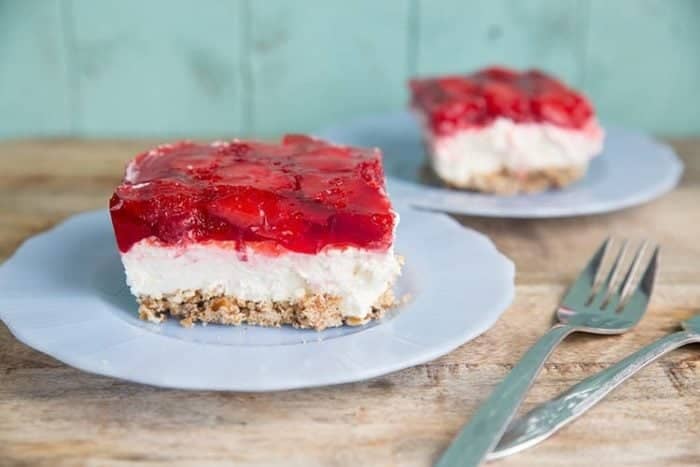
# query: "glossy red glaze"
299,195
451,103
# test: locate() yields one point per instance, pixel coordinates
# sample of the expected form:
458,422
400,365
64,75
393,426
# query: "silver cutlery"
591,305
546,419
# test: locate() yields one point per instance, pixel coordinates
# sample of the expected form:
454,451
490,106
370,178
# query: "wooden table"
53,415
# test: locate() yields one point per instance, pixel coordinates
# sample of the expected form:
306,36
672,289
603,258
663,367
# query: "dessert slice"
503,131
299,232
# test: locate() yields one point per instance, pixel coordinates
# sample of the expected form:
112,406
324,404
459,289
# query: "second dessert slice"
503,131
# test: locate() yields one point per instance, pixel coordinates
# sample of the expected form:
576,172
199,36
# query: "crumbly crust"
318,311
505,182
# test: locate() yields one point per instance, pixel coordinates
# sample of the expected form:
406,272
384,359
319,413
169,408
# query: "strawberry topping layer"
451,103
299,195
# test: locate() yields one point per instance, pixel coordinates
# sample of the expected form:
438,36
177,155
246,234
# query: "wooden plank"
54,415
158,68
326,62
643,63
35,90
456,36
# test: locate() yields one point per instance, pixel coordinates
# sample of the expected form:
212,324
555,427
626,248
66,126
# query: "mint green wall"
217,68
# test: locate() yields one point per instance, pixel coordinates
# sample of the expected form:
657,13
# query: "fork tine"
594,264
608,287
646,284
626,286
634,306
635,303
581,289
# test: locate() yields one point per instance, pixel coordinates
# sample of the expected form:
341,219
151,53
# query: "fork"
548,418
591,305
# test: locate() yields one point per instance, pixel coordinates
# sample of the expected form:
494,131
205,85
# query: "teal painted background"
216,68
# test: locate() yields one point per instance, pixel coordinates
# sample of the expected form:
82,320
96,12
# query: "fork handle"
547,418
486,427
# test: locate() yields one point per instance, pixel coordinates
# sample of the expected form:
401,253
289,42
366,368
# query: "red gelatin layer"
451,103
299,195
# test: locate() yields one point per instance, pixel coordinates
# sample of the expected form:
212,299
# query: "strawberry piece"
451,103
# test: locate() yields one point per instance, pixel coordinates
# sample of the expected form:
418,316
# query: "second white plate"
633,169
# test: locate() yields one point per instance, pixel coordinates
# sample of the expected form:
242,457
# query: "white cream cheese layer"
358,276
517,147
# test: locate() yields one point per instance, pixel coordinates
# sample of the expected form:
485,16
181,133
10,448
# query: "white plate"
633,169
63,293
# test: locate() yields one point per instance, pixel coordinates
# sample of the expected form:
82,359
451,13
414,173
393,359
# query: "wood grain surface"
53,415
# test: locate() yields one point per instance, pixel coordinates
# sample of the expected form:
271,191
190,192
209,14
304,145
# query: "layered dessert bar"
502,131
299,232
